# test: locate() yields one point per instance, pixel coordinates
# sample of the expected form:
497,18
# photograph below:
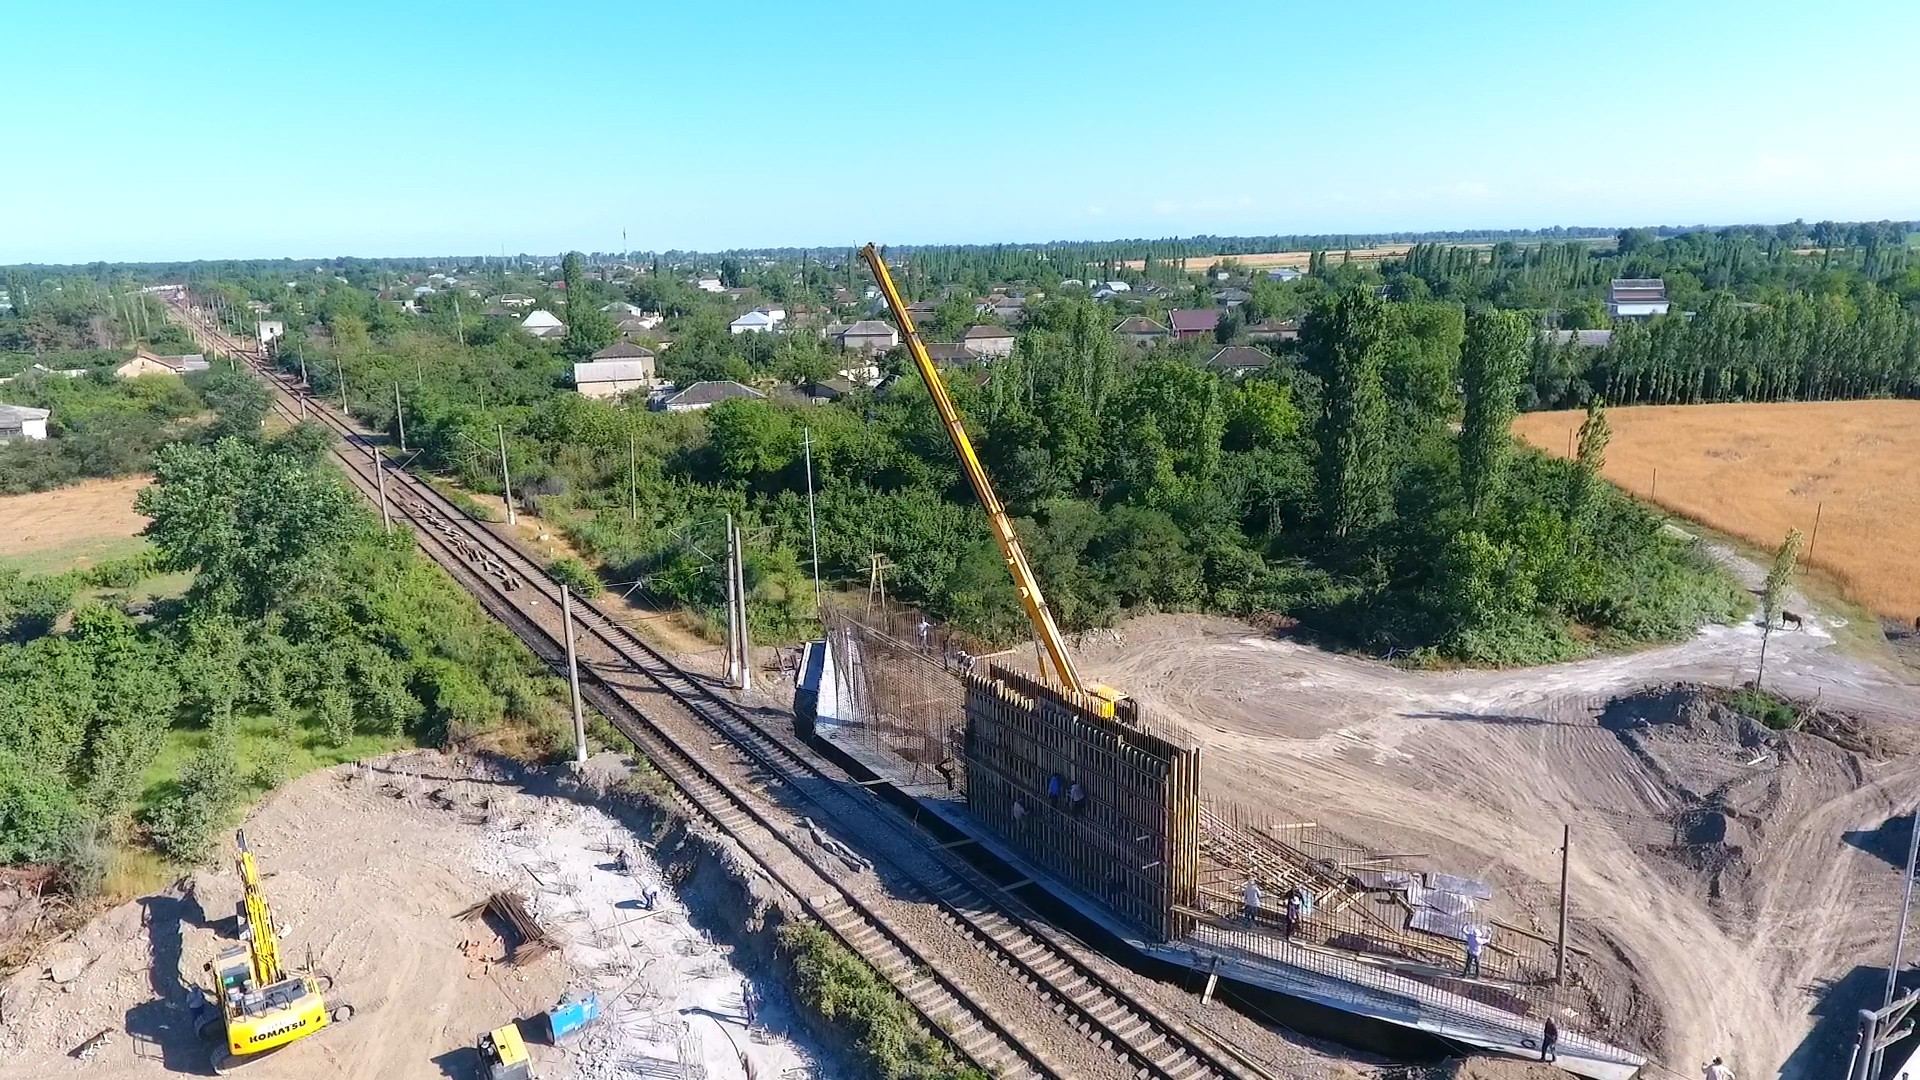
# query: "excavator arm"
1015,556
263,947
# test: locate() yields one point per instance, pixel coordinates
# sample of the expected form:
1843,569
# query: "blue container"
571,1014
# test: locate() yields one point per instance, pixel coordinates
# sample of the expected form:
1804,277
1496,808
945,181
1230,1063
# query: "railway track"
666,711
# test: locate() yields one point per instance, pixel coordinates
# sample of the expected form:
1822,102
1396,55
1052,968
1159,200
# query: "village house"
1231,298
542,323
268,331
710,284
707,394
1238,360
754,322
1191,323
1282,273
817,393
620,368
870,335
146,363
518,301
1140,330
1274,330
1636,298
988,340
1010,309
949,352
22,423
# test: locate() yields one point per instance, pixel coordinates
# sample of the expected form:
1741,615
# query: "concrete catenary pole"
733,629
386,511
813,527
1560,949
506,481
744,639
400,417
573,676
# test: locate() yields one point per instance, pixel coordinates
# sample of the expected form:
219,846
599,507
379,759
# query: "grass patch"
78,554
854,1001
266,758
1778,713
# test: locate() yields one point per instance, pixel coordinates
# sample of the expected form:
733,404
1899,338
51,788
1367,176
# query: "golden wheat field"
1755,471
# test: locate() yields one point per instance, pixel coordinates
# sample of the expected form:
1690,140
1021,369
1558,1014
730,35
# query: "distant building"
949,352
259,307
1586,339
709,284
1283,273
1279,330
1231,298
705,395
268,331
620,309
1116,286
542,323
519,301
1636,298
22,423
146,363
620,368
988,340
871,335
1140,330
817,393
1010,309
1191,323
1237,360
753,322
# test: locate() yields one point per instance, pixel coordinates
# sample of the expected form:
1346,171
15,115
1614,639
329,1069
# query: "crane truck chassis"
257,1004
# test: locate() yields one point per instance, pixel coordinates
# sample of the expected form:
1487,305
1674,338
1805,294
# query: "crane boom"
1011,552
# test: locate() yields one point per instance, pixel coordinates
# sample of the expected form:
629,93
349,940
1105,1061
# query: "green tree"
1590,459
1773,595
256,523
1355,481
1491,364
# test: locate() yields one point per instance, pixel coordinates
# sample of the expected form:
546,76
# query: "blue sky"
190,130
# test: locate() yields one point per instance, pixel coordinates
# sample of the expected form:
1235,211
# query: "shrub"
849,995
1771,709
576,575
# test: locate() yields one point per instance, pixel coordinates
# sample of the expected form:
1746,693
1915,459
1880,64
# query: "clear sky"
380,127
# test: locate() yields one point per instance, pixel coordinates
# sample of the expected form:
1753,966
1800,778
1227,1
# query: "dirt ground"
1740,882
85,519
1755,471
369,882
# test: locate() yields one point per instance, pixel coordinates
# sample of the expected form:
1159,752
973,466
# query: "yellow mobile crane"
1101,698
261,1004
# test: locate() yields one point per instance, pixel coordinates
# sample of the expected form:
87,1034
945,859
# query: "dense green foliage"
102,426
302,614
863,1011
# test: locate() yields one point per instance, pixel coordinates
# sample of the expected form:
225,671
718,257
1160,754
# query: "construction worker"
1550,1041
1716,1070
1291,919
1476,941
1076,797
1251,897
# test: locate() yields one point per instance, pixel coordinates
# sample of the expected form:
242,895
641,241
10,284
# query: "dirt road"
1481,769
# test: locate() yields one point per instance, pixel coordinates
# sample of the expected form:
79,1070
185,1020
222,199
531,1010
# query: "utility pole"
1560,950
506,482
573,677
301,353
400,417
745,638
813,528
633,476
380,472
1906,905
342,369
1815,537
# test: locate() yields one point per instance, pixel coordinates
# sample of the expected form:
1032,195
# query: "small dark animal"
1794,617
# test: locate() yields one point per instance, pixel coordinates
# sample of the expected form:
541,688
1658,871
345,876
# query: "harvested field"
1297,259
73,527
1737,880
1755,471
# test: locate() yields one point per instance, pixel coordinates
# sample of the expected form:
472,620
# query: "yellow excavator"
1100,698
260,1004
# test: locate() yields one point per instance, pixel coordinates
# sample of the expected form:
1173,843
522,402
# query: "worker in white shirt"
1716,1070
1251,896
1476,941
